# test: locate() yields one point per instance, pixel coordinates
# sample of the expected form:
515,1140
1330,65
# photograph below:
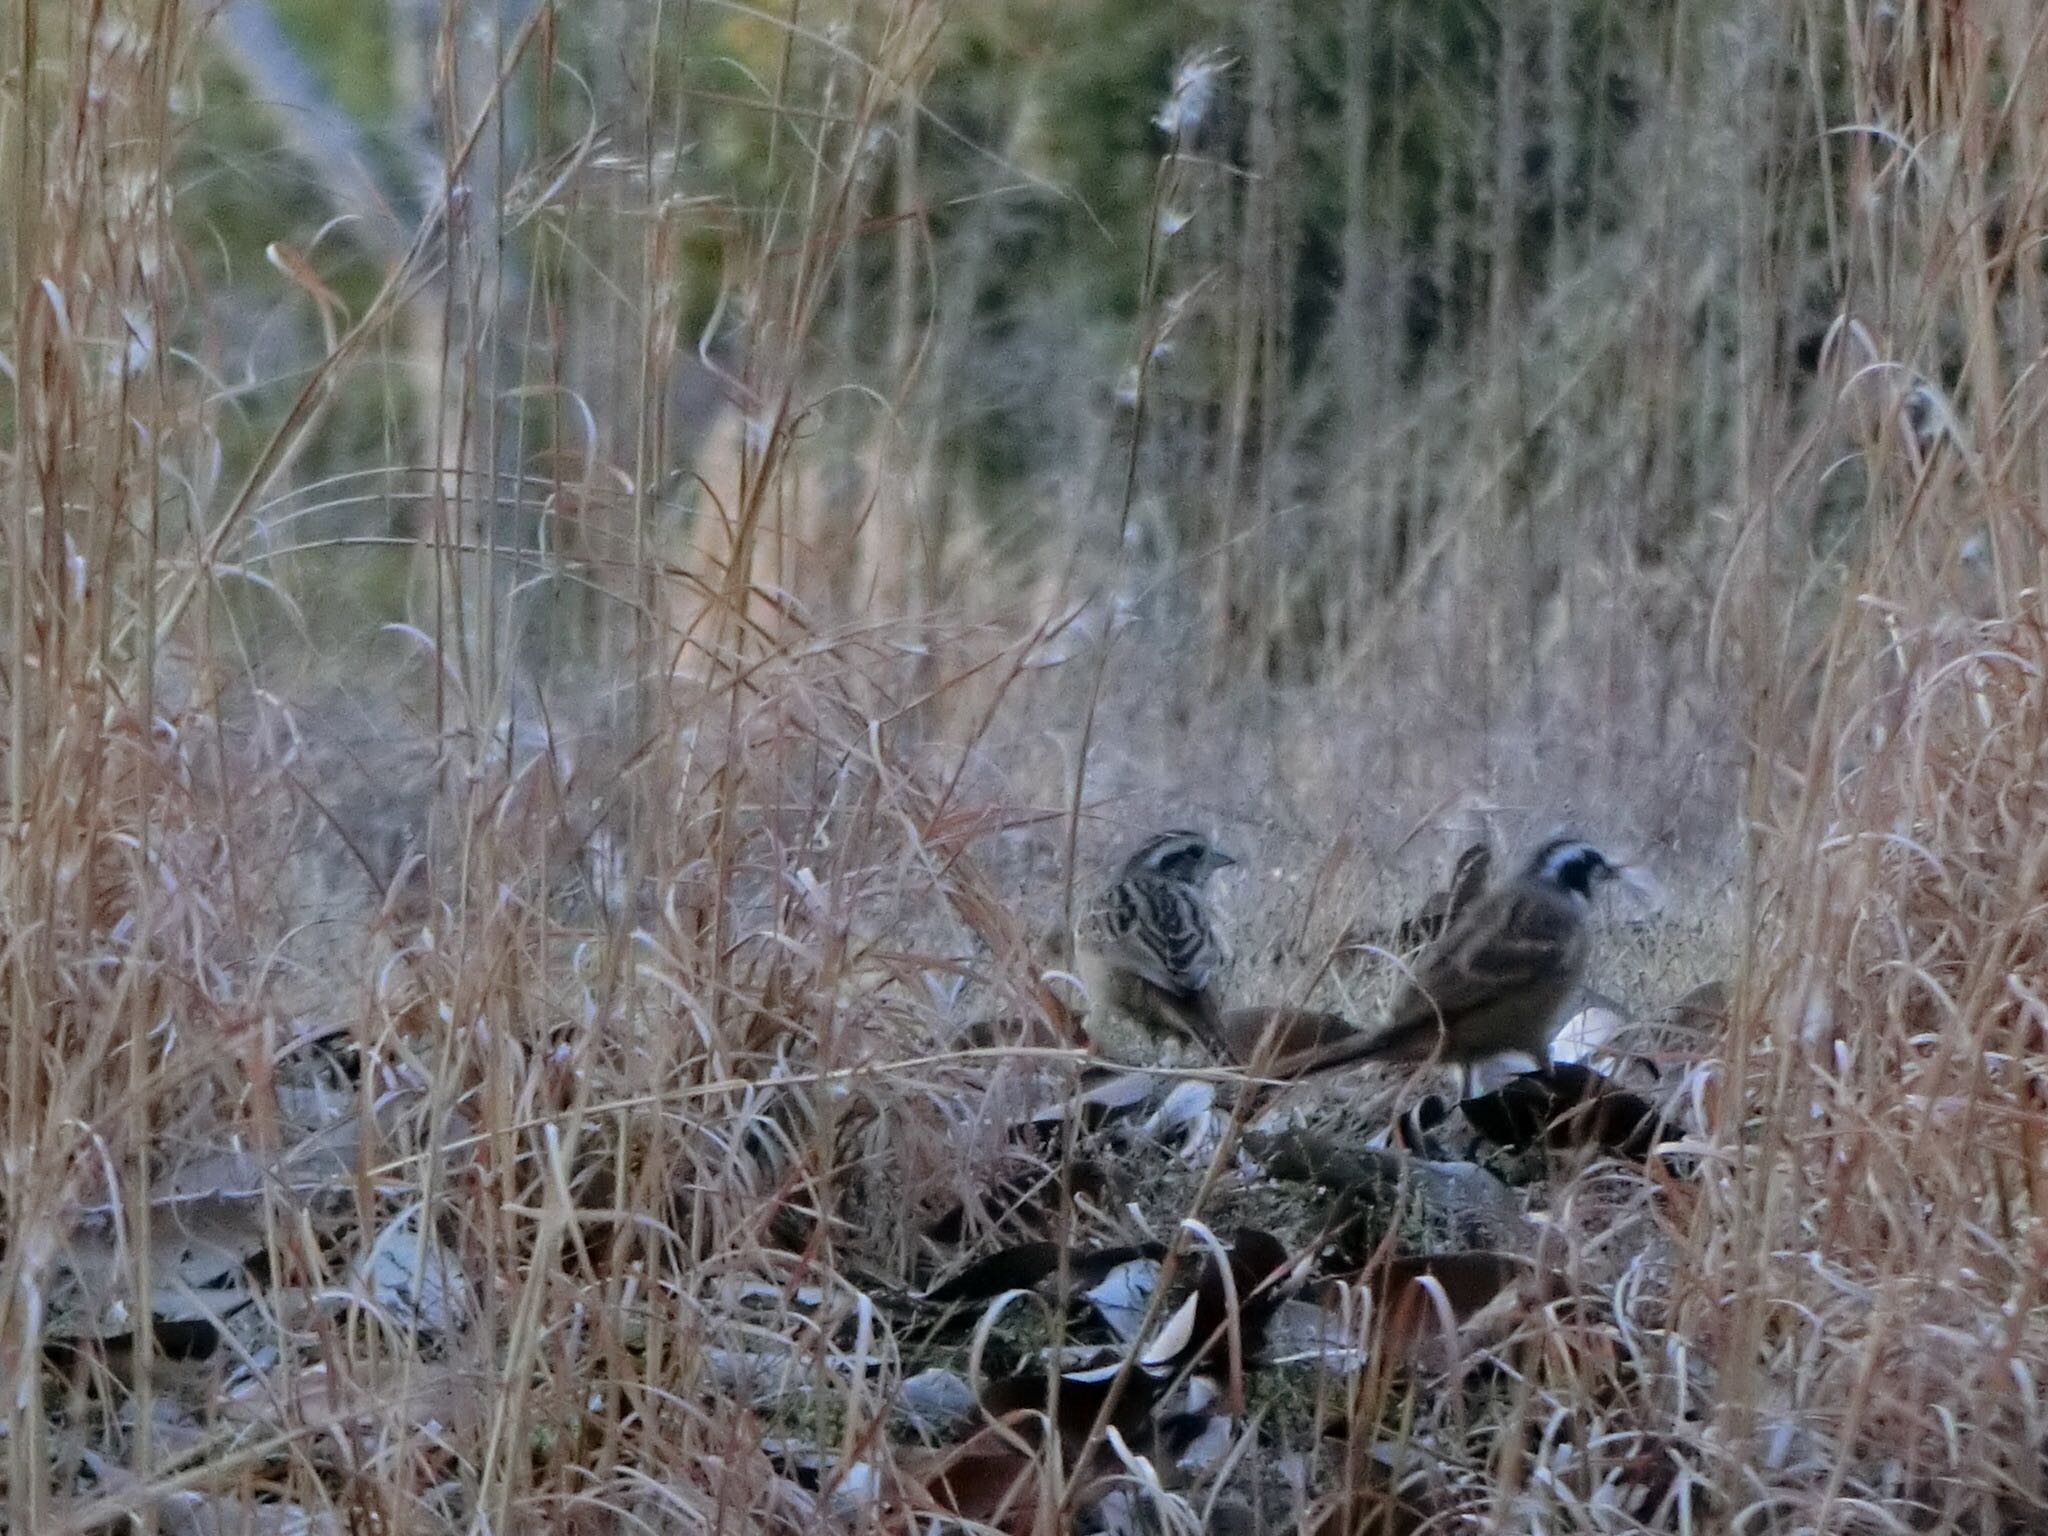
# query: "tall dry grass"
513,942
1871,1247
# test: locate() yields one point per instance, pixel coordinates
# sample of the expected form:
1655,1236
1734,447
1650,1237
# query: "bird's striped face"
1185,856
1571,865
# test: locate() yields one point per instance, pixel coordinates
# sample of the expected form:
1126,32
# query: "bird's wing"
1509,940
1468,882
1427,922
1468,878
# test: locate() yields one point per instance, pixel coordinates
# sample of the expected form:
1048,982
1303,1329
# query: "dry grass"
521,945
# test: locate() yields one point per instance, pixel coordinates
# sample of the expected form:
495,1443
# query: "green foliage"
1037,162
350,47
239,191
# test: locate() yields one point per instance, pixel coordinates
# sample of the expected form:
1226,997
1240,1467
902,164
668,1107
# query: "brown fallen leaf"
1027,1398
987,1479
1021,1266
1415,1296
1570,1106
993,1477
1197,1336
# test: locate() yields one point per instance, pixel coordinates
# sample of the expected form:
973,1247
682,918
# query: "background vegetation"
584,581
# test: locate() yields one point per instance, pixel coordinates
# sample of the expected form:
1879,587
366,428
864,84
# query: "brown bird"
1500,975
1468,878
1149,953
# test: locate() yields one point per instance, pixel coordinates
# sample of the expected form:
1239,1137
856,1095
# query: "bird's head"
1572,864
1179,855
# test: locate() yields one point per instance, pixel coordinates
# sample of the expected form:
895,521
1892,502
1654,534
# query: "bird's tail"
1419,1041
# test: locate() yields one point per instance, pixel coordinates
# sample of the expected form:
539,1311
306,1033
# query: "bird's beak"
1220,859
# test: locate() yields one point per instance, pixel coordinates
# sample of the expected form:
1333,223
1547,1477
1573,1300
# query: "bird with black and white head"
1150,952
1500,975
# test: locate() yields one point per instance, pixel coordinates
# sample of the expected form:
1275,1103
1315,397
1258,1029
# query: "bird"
1468,878
1150,953
1499,976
